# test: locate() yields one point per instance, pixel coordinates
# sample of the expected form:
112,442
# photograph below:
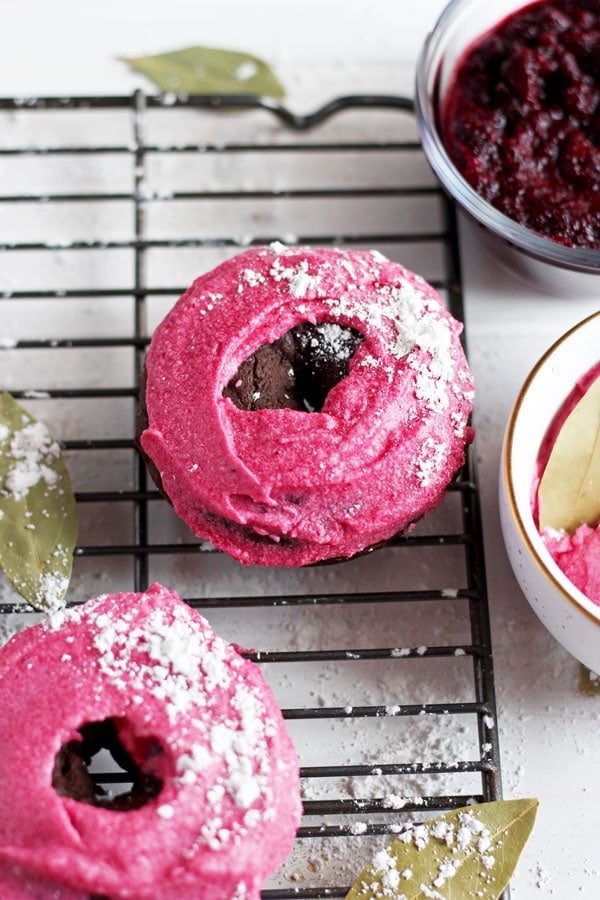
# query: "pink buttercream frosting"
190,710
578,555
289,487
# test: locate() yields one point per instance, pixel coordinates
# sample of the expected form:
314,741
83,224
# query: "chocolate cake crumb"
267,379
297,371
72,778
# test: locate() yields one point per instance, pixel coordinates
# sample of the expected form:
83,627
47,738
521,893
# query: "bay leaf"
569,491
38,515
589,682
469,852
208,70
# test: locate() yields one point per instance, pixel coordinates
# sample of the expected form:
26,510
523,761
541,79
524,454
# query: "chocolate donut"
213,805
305,404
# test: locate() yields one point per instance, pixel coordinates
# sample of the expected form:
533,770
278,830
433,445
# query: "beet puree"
521,119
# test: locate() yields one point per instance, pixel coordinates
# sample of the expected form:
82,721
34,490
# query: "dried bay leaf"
569,491
208,70
38,515
469,852
589,682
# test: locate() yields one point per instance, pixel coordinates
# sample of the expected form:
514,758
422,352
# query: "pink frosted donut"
214,805
305,404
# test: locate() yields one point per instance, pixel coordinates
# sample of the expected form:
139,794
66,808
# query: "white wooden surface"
550,734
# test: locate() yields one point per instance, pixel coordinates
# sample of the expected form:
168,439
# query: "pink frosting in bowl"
289,486
218,805
578,554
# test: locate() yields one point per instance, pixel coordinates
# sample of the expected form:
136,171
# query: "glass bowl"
461,23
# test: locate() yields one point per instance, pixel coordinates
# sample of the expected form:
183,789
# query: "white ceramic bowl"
552,267
564,610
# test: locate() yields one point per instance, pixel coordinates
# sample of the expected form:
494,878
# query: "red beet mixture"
521,120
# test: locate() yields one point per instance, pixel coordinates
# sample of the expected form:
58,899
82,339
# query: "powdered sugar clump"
299,279
32,451
252,278
51,591
332,341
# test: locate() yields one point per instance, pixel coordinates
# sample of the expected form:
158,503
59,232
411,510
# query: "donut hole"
76,772
297,371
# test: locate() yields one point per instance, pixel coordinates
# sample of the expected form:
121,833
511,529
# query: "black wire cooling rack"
109,206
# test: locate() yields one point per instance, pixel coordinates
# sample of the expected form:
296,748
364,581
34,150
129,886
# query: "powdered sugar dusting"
298,277
193,673
332,341
415,325
429,461
415,329
32,451
459,842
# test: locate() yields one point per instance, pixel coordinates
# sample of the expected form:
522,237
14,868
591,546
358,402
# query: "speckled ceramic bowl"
550,266
564,610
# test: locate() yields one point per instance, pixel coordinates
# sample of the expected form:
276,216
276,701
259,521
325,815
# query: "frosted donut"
214,805
305,404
